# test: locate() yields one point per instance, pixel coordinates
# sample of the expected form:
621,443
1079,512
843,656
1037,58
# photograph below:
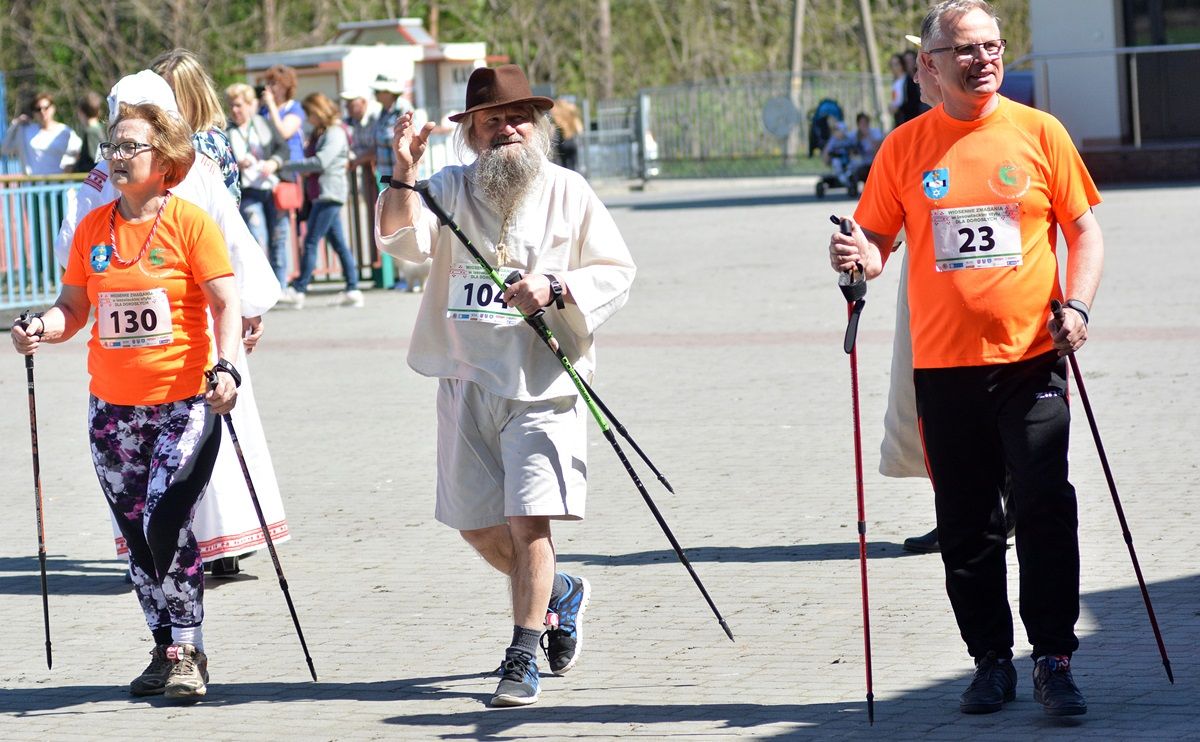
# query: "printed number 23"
134,321
985,239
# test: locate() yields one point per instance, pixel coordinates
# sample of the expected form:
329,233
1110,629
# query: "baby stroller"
818,130
849,172
849,167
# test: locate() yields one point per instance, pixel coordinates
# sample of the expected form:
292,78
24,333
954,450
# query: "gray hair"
934,24
466,149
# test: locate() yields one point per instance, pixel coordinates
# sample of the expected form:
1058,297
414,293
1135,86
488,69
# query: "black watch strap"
556,291
1080,307
401,184
227,367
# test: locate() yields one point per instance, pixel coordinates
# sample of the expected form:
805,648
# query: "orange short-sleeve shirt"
150,341
979,202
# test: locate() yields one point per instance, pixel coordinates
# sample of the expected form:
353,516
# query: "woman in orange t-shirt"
152,265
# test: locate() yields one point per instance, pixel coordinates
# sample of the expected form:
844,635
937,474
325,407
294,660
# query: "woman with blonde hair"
200,107
153,267
325,189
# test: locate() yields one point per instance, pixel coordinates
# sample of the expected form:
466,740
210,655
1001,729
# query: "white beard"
504,174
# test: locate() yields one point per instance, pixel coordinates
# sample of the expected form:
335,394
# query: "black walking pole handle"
512,278
853,284
23,321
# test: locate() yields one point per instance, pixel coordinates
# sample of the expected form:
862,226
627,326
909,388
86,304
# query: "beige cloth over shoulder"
901,453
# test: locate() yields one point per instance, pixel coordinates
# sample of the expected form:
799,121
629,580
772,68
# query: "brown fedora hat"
491,87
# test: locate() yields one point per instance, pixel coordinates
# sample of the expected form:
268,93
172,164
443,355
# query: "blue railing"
31,211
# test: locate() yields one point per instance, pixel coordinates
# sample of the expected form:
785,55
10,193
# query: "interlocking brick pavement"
727,367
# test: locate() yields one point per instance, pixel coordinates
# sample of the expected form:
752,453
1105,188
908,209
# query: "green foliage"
69,46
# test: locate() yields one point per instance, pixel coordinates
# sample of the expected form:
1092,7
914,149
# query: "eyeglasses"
109,150
991,49
46,107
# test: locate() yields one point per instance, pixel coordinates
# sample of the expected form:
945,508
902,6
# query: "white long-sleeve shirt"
43,151
561,228
258,288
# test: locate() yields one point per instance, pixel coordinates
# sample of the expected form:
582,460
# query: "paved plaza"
727,367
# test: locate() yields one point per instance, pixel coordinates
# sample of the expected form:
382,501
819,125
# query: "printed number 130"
134,321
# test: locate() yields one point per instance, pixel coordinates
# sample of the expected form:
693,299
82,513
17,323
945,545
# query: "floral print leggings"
154,462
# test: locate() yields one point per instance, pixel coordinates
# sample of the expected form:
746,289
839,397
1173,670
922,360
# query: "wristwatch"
224,366
556,291
1080,307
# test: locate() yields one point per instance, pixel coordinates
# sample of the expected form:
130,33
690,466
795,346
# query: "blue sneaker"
518,680
563,639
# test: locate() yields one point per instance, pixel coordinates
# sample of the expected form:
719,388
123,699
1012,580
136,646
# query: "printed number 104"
483,294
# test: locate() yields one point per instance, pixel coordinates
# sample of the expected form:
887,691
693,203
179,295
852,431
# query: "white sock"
193,635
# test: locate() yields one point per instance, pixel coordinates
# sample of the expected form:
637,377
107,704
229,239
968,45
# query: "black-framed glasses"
46,107
991,49
109,150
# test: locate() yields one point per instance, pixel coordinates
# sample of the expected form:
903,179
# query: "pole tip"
871,708
728,633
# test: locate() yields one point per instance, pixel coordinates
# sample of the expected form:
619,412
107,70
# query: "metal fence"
723,119
677,130
31,211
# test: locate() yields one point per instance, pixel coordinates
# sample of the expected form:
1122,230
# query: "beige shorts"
502,457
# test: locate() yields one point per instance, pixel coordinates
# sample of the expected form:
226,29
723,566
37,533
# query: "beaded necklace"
112,234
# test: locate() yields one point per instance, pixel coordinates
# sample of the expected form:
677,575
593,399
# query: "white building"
1120,75
436,74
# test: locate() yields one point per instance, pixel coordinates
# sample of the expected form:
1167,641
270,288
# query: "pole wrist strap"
1080,307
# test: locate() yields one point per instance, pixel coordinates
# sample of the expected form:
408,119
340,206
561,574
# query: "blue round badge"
100,256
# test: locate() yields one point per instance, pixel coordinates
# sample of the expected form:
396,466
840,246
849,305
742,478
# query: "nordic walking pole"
262,521
537,323
855,291
37,494
1057,309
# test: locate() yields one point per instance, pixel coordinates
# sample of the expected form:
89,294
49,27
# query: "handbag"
289,196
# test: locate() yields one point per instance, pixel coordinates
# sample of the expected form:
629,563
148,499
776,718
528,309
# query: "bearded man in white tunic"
512,428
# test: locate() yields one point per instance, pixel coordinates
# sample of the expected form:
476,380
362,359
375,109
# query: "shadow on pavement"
73,577
63,576
1118,669
749,554
725,202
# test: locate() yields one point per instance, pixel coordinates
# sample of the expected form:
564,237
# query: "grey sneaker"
518,680
153,679
189,672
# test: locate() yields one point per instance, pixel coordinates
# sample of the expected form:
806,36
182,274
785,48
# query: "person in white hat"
389,91
226,525
360,119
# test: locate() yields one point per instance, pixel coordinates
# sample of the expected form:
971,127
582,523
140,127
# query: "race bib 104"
134,319
474,297
977,237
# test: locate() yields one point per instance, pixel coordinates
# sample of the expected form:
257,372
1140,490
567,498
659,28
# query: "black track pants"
977,424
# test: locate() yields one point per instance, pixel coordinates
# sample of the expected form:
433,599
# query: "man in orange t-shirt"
980,185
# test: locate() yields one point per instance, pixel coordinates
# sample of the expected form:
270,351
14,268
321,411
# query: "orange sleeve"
209,256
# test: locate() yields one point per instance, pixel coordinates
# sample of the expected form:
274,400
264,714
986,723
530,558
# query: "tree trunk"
605,38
